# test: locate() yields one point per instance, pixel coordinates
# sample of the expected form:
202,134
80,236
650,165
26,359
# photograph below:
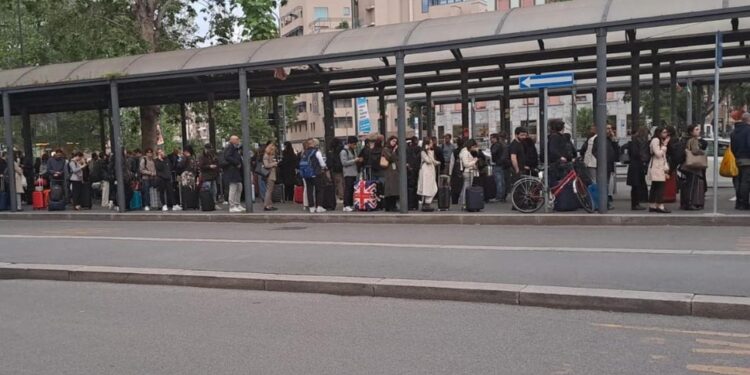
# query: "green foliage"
260,21
584,121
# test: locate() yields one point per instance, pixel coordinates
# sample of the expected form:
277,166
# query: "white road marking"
384,245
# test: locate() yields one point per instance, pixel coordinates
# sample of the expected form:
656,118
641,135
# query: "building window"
480,106
347,11
425,6
321,13
529,101
301,107
444,2
582,98
343,122
342,103
555,100
515,4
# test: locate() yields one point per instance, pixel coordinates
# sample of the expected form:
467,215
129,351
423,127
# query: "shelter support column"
464,102
505,105
276,121
601,118
429,121
673,93
117,140
635,90
211,120
28,141
381,110
328,124
401,102
8,129
245,123
183,125
656,90
689,91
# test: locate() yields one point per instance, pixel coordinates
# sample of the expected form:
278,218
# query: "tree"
584,120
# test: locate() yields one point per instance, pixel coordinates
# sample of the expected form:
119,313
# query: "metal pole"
276,120
635,91
282,122
544,129
401,100
717,73
689,115
429,120
356,117
473,113
28,146
601,118
245,115
574,117
464,101
656,89
211,121
381,110
673,93
328,123
117,140
11,157
183,125
506,106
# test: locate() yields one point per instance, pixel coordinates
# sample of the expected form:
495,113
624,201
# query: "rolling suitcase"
366,195
328,197
474,198
670,188
278,193
444,193
207,201
154,201
490,187
136,201
56,197
299,194
190,200
37,200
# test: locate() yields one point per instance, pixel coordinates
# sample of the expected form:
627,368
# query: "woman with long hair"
288,170
639,158
427,183
692,194
658,170
391,172
270,163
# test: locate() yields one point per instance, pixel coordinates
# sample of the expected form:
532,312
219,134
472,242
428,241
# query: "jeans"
235,194
146,186
499,173
349,191
468,179
310,189
261,186
592,174
743,190
105,193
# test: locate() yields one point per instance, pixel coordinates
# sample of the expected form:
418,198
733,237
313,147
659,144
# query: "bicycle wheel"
582,192
527,195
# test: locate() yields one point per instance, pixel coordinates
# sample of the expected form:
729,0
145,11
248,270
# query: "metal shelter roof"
557,36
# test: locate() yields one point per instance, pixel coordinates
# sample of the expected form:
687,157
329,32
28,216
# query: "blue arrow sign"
541,81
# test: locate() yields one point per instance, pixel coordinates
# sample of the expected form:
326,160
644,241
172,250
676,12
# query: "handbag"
384,162
695,161
729,165
261,170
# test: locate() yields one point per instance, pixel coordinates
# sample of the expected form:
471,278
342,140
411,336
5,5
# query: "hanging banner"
363,117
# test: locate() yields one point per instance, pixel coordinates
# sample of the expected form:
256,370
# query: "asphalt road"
80,328
670,259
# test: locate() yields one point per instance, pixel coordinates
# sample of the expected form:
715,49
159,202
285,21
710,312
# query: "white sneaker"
235,210
312,210
225,203
110,204
146,208
164,208
176,208
242,209
348,209
320,210
733,199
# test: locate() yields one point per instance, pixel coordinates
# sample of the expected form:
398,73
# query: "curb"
723,307
381,218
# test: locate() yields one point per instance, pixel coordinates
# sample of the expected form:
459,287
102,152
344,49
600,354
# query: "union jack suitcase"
366,195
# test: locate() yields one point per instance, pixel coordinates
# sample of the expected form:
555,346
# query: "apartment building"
304,17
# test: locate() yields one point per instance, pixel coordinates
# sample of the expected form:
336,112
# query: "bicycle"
527,194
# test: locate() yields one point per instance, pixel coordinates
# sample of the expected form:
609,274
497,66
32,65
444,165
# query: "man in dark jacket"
497,150
56,166
559,148
741,149
413,164
233,170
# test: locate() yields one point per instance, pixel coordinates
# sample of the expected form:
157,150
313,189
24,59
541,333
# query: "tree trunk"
146,15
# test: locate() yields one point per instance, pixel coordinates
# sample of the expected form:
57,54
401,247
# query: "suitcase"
4,201
567,199
37,200
190,200
490,187
670,189
85,196
444,196
207,201
136,201
277,196
328,197
153,196
299,194
365,195
56,198
474,199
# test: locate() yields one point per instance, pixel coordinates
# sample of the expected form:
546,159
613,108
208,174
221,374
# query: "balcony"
331,23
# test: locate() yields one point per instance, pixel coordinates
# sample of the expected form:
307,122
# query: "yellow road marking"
673,330
723,343
722,351
721,370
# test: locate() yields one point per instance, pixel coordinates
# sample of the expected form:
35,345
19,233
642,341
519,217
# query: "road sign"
719,49
541,81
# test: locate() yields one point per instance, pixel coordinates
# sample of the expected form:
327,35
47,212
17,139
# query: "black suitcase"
328,198
86,196
567,200
277,196
444,198
207,201
490,187
56,198
189,198
474,199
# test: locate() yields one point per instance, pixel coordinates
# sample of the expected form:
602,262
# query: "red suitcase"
38,201
670,188
299,194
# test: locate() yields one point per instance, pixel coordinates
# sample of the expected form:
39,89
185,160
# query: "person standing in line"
75,165
740,139
640,156
315,185
334,165
270,163
20,181
497,150
392,177
468,167
164,182
147,171
349,161
288,171
693,192
427,185
589,156
209,168
233,170
658,170
447,152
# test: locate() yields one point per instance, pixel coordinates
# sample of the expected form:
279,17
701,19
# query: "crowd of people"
661,160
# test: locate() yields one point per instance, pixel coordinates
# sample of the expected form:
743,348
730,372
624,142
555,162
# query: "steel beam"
211,120
118,152
11,153
656,91
245,123
602,178
401,103
635,92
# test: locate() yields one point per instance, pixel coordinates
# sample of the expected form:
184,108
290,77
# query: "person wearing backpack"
497,150
335,166
640,156
313,168
233,169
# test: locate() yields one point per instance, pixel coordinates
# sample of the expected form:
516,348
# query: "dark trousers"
349,191
166,192
76,191
657,192
390,203
315,190
743,188
289,192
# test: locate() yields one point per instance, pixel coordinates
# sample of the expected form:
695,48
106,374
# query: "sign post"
717,72
544,82
364,126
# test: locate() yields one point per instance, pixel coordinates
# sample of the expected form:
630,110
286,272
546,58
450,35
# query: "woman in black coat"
640,155
288,170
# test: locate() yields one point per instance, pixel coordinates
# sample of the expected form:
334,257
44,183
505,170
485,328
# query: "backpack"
334,161
306,164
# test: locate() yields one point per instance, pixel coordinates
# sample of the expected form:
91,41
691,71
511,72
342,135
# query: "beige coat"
270,163
659,168
20,179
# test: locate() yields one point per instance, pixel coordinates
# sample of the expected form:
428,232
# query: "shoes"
312,210
176,207
146,208
733,199
242,209
610,206
637,208
225,203
321,210
234,210
110,204
348,209
270,209
660,210
164,208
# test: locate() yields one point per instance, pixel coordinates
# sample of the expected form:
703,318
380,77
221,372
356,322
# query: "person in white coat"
427,183
468,166
658,170
20,184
